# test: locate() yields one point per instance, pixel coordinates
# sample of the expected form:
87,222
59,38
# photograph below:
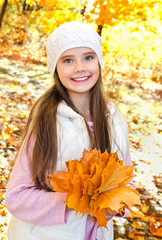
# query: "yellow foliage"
52,19
113,11
92,185
59,4
58,12
30,2
13,1
1,2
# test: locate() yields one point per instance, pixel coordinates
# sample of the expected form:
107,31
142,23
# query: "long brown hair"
42,125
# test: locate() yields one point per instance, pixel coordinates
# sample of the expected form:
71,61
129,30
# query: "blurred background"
131,32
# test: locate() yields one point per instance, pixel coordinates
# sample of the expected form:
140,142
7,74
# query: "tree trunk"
99,29
82,11
3,11
24,6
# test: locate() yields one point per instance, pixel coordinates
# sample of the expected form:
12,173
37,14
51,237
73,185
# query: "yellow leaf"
95,183
116,175
115,198
101,217
5,136
84,204
60,181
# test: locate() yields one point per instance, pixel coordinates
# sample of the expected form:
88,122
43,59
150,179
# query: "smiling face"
78,70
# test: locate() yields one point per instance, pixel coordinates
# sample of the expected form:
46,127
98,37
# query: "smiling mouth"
81,79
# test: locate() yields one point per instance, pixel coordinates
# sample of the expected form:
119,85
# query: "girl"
71,116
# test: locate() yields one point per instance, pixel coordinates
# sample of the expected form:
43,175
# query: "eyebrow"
69,56
66,56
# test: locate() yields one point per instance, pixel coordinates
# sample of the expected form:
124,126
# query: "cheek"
97,72
95,66
64,72
60,73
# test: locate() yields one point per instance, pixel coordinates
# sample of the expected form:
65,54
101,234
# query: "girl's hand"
110,215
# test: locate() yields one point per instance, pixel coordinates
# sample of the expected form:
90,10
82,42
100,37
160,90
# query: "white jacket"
73,138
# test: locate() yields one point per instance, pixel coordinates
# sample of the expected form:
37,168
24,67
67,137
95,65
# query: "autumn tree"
57,12
111,12
100,12
3,10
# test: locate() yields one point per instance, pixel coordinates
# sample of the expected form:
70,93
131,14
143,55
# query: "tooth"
80,79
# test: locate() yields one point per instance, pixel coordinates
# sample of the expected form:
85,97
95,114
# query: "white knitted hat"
71,35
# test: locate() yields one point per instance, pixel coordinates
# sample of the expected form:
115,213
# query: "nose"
79,66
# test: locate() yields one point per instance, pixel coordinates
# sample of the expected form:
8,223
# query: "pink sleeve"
91,229
128,160
26,202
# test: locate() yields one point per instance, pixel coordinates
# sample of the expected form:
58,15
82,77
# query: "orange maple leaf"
95,183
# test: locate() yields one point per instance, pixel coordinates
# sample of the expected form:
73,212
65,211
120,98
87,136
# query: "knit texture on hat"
71,35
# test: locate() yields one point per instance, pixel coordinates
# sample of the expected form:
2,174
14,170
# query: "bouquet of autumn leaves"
96,182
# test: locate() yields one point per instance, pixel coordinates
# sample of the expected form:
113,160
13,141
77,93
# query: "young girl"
71,116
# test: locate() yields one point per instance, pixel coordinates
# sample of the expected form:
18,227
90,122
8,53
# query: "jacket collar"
66,111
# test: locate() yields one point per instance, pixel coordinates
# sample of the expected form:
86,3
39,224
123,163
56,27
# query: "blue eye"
89,58
68,60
